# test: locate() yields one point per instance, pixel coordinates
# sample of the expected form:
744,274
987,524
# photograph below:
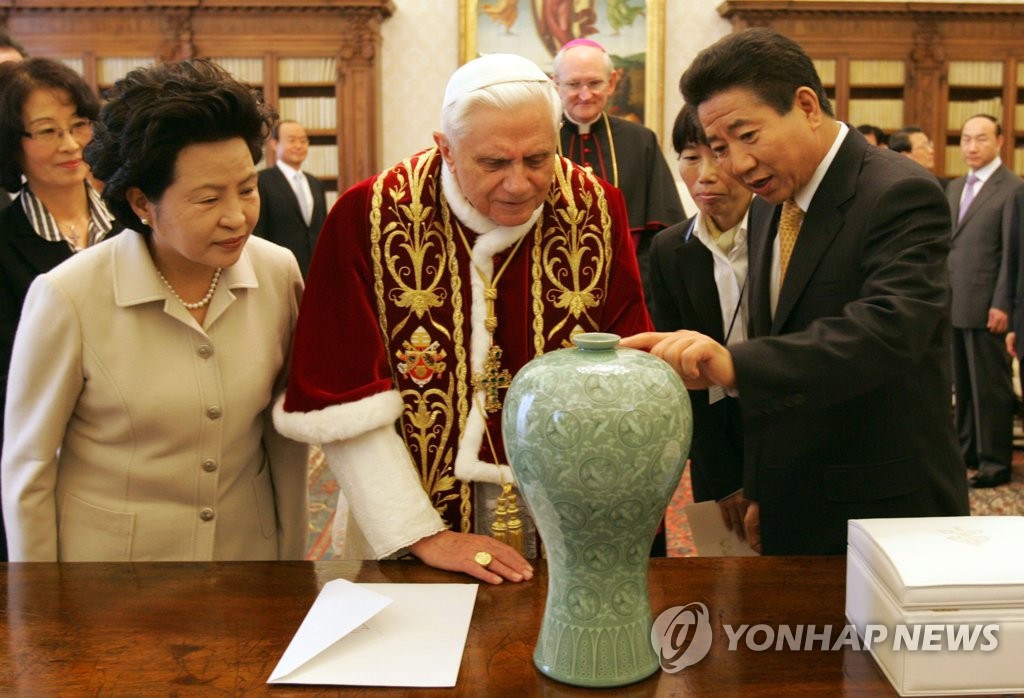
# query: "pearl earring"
144,221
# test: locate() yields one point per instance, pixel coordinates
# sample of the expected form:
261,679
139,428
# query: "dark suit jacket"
1015,272
685,297
5,198
23,256
280,218
845,393
978,259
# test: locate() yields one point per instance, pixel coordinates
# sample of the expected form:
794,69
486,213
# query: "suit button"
207,514
209,465
205,351
213,412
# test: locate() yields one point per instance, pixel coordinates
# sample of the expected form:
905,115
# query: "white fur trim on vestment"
491,239
339,422
383,490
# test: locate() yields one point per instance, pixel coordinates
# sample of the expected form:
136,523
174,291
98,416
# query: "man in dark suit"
982,205
292,203
698,280
1015,279
844,380
912,142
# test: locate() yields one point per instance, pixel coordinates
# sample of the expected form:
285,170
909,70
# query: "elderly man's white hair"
501,80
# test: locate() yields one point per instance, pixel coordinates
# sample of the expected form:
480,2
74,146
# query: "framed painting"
632,31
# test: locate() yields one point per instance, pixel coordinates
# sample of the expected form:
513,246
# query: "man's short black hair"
768,64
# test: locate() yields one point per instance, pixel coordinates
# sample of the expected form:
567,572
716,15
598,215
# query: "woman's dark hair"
18,80
768,64
154,113
686,130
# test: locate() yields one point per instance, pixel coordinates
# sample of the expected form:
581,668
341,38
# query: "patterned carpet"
996,501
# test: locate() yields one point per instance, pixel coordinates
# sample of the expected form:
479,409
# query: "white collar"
584,128
480,224
135,272
986,171
708,240
288,170
804,197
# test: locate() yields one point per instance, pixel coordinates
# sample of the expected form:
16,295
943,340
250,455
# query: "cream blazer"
132,433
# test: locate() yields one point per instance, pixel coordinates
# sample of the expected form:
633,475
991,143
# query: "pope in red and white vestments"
392,330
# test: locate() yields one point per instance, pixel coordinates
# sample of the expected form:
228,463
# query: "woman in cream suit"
144,369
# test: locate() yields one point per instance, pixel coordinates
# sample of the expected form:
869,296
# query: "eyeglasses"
575,86
52,135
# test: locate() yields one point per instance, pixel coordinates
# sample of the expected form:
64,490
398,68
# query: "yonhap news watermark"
683,635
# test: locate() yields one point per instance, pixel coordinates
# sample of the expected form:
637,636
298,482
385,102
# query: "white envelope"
710,536
380,635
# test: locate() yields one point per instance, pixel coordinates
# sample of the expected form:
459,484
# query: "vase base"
590,681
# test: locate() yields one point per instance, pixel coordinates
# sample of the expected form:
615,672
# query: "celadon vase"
597,437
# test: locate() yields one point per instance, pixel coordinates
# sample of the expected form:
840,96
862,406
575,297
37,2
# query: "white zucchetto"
492,69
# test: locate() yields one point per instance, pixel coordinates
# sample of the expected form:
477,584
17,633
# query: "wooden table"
218,629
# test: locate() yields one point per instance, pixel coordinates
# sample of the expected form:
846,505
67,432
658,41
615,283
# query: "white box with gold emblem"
939,602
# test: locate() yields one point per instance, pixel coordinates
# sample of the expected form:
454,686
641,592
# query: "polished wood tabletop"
219,629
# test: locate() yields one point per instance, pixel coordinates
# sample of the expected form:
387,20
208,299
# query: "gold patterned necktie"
789,227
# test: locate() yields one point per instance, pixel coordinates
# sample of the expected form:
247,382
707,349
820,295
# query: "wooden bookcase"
316,62
897,63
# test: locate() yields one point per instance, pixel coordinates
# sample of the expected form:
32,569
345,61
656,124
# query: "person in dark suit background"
1015,279
698,282
844,379
292,203
874,135
913,143
982,205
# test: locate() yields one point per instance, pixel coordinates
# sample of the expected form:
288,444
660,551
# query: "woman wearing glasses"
46,113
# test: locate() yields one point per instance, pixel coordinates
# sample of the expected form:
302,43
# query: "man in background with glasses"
618,150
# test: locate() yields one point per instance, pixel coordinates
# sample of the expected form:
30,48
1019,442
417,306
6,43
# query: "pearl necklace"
200,303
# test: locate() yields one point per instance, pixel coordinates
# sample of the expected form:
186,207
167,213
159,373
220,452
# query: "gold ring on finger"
483,558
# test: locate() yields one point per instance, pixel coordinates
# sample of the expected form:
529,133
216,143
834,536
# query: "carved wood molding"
984,27
767,9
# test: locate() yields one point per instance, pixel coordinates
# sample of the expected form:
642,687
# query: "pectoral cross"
492,379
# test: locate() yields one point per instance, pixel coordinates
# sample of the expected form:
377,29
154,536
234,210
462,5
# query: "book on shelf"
314,113
884,113
112,68
976,73
322,161
960,111
298,71
826,70
248,70
878,73
955,165
76,64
